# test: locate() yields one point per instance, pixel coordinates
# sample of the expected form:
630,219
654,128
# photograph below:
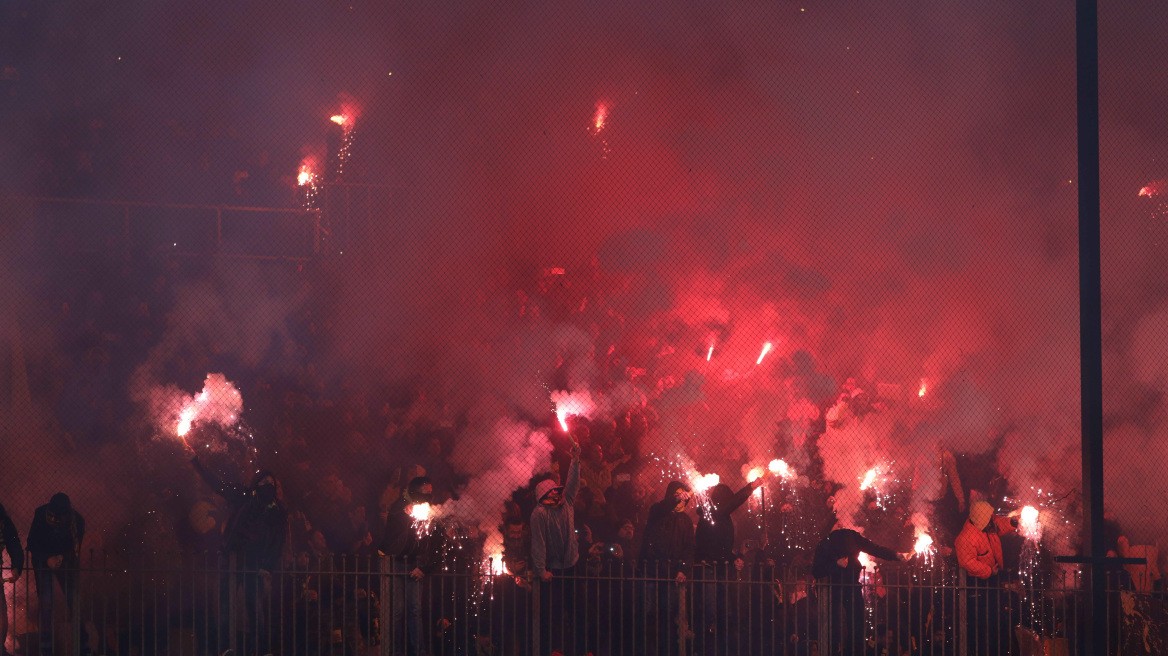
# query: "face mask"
266,493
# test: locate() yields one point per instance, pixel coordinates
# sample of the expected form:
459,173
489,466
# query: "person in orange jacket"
979,553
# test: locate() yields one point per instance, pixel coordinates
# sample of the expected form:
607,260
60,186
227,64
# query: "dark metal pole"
1090,310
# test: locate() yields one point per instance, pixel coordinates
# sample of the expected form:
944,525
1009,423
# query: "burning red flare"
422,514
306,176
600,117
923,545
339,119
869,479
1153,189
710,353
766,348
924,389
1028,524
781,468
703,483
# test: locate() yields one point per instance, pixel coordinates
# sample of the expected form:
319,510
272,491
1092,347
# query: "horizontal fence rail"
214,604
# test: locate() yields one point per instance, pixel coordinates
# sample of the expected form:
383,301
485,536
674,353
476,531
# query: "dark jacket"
255,531
11,543
714,536
845,543
669,536
64,539
401,540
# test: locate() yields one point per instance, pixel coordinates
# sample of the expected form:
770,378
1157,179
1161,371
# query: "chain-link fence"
361,327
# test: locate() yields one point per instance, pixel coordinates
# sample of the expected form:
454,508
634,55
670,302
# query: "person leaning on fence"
837,570
667,551
415,552
979,553
555,548
254,539
11,544
54,542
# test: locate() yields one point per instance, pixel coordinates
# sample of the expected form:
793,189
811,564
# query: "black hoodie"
256,530
714,536
669,535
845,543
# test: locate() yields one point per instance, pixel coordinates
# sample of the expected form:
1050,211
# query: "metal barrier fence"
209,604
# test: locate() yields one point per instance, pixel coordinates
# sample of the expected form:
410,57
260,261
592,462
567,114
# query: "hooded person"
979,554
54,542
837,568
555,550
714,549
669,533
255,536
413,542
714,535
667,552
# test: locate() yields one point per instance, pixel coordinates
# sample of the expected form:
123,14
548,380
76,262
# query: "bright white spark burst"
1028,524
423,518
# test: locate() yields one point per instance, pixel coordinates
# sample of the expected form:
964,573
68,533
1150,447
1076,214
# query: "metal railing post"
536,587
385,615
962,625
75,610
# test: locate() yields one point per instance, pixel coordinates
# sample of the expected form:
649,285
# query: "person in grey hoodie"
554,552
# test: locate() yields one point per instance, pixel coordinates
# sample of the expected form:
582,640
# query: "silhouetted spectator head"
264,487
625,529
420,490
60,509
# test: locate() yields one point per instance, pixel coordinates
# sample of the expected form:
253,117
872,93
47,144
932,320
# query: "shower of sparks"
599,122
309,181
781,469
766,348
1028,524
701,487
702,484
423,518
347,124
599,118
924,548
